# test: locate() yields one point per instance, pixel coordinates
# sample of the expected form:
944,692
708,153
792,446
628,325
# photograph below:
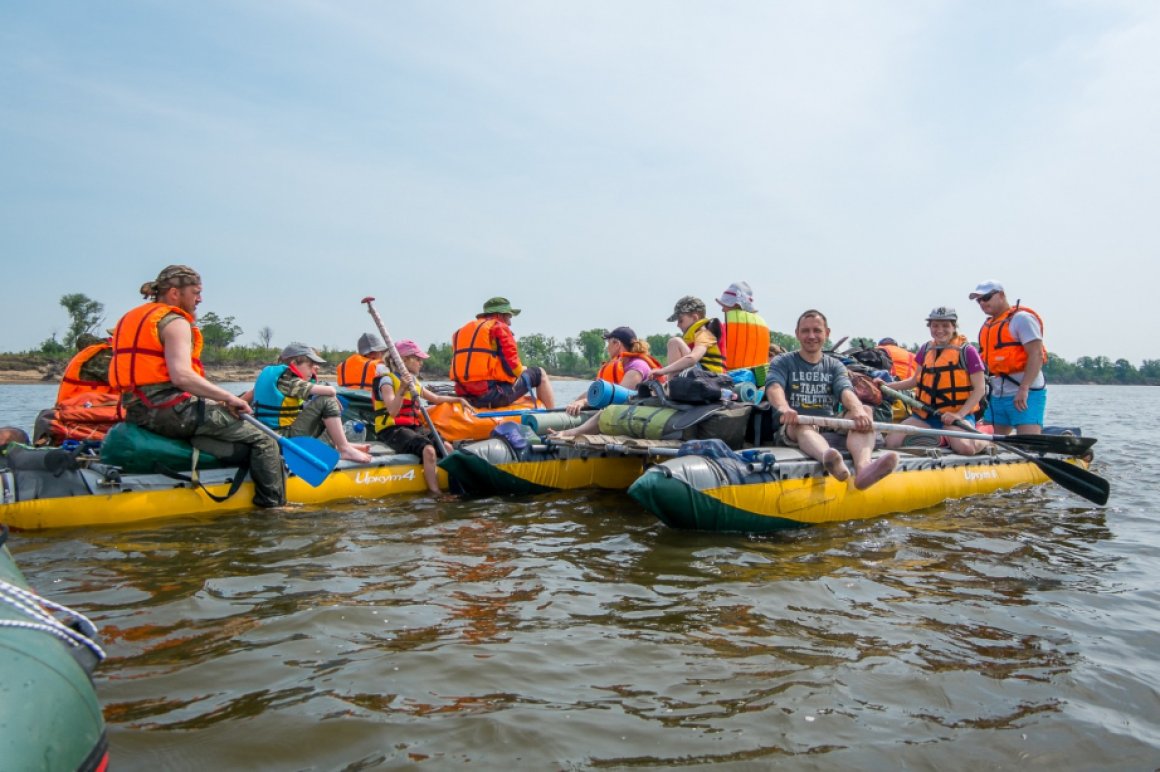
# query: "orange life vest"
84,415
744,340
476,355
944,384
71,383
1001,353
357,372
903,362
613,370
138,354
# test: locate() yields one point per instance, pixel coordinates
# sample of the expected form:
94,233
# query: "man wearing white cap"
1011,344
744,334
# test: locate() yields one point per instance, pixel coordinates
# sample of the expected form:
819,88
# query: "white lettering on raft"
366,478
970,474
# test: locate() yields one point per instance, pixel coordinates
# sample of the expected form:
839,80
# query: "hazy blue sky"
591,161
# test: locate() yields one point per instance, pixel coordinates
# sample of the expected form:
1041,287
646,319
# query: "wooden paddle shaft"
397,362
847,424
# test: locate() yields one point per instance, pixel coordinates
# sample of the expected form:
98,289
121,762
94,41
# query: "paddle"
1075,478
397,362
1045,443
310,459
525,411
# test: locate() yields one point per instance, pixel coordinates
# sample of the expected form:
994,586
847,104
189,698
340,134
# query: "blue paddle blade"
310,459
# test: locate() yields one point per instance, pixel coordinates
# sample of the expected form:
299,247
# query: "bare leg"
867,472
430,470
895,439
815,446
544,390
590,426
1029,429
860,445
966,447
675,349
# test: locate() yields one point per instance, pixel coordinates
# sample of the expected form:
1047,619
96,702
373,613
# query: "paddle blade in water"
310,459
1076,479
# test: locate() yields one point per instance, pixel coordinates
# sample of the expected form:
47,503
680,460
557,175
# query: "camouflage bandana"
171,276
687,305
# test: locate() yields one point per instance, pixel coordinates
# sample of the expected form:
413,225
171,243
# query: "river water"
573,631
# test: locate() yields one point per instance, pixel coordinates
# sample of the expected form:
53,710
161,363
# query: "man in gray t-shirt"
810,382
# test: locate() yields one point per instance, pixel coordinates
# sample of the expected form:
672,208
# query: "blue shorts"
934,421
1002,412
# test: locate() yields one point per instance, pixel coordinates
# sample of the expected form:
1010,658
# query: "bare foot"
353,453
876,470
832,461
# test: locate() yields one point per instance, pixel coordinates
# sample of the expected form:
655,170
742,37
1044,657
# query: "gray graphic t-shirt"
810,389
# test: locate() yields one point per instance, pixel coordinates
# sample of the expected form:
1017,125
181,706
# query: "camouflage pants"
309,422
214,429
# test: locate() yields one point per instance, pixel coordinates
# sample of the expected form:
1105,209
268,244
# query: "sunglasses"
988,296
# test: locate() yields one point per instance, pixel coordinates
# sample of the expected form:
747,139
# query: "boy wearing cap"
358,371
157,367
1011,344
697,346
288,398
949,379
811,382
398,420
744,334
629,363
485,361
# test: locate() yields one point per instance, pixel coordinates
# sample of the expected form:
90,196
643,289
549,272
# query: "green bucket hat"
499,306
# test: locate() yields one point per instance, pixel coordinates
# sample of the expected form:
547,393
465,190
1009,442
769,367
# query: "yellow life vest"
713,361
408,414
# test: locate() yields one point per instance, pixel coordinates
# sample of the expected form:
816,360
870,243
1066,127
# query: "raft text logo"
367,478
981,474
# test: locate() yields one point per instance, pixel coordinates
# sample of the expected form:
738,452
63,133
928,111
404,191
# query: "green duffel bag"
649,421
643,421
137,450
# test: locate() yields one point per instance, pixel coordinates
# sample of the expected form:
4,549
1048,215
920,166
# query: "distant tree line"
578,356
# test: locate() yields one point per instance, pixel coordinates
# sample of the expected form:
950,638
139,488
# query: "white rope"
34,606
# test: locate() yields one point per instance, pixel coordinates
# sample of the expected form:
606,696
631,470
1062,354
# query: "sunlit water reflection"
574,631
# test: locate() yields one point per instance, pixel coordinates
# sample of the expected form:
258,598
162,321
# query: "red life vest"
408,414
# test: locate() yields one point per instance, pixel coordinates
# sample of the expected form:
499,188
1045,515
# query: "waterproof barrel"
540,423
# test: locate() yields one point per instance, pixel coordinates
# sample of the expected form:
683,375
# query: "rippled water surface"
573,631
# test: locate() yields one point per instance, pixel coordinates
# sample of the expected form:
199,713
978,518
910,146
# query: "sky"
591,161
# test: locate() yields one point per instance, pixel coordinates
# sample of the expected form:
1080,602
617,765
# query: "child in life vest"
398,419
